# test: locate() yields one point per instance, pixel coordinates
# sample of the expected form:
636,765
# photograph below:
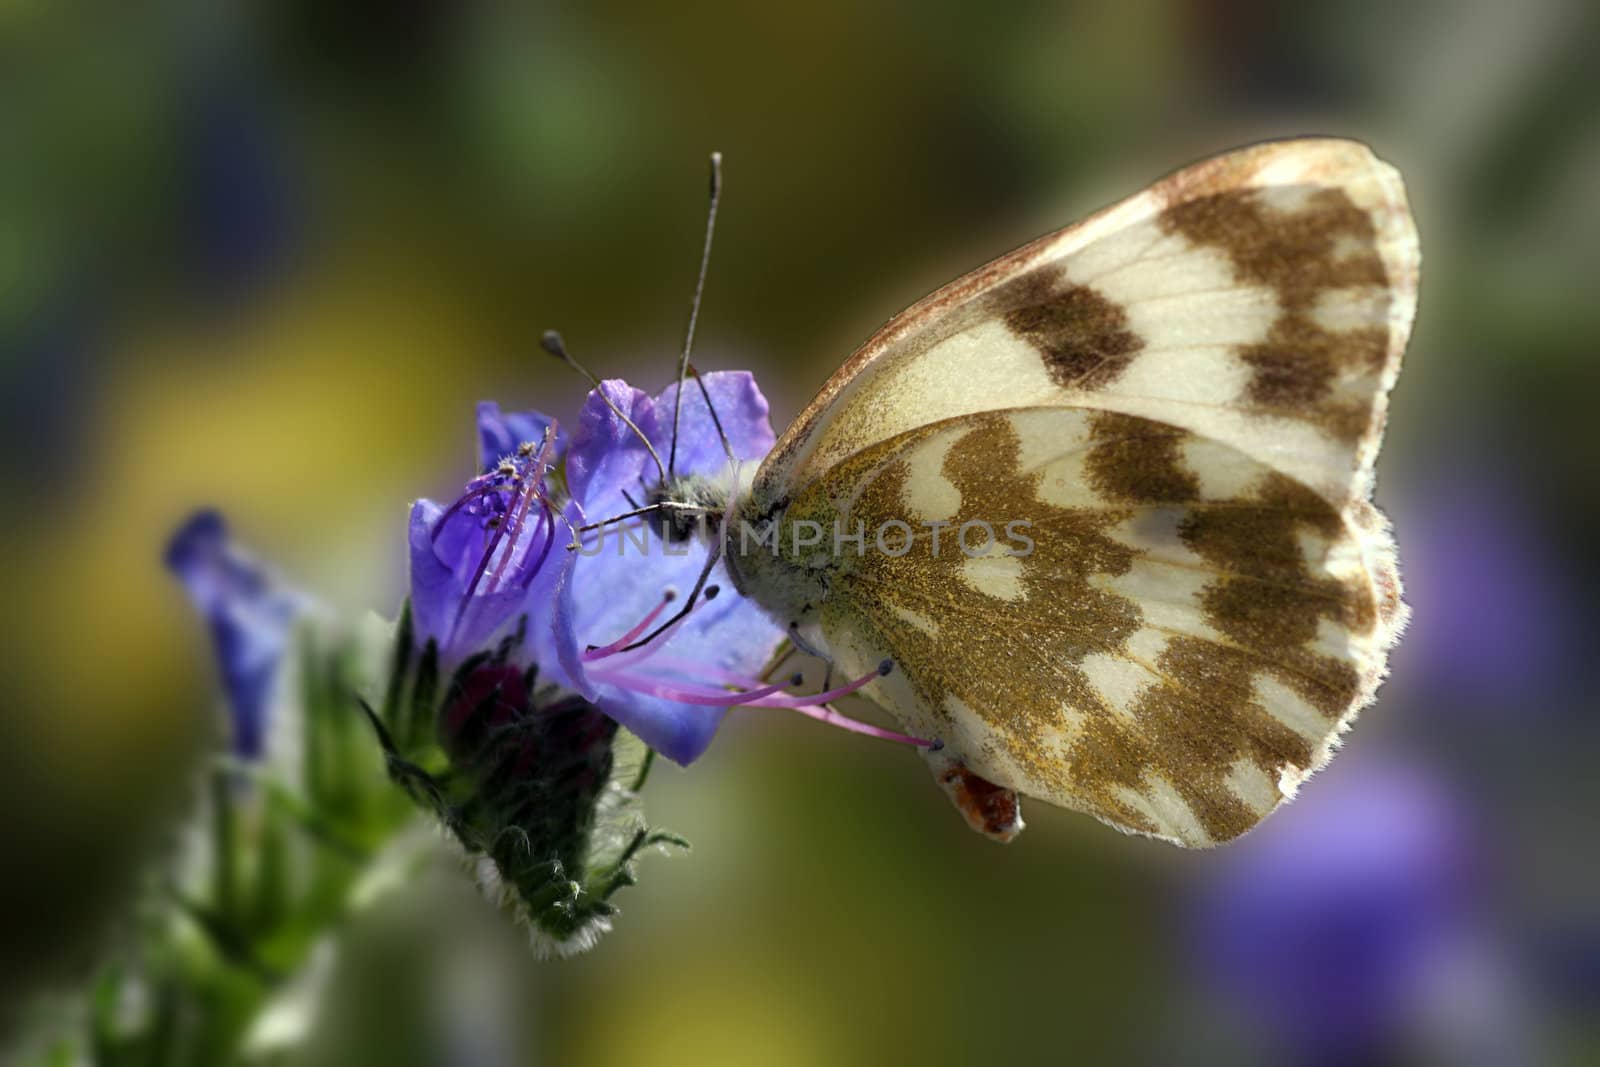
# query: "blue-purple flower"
612,591
508,550
474,562
500,434
1492,619
1332,926
250,615
607,610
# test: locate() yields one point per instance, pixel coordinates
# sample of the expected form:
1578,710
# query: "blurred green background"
267,257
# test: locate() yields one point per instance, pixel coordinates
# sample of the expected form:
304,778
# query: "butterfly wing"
1174,639
1186,394
1262,298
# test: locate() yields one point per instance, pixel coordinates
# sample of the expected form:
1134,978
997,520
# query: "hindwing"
1179,646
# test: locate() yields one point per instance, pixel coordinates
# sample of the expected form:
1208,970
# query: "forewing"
1188,636
1262,299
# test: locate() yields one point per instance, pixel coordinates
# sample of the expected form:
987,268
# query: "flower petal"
729,634
605,594
680,732
250,616
606,456
434,588
554,637
499,433
741,410
605,590
458,598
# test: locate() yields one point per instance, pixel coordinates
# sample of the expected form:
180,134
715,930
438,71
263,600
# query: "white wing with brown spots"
1181,643
1262,298
1183,397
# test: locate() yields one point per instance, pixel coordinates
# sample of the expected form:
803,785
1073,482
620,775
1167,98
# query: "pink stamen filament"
632,635
468,599
509,533
547,450
692,668
822,698
623,660
754,694
751,692
666,690
855,726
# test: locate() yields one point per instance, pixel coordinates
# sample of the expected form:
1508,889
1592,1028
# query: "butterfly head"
765,565
687,508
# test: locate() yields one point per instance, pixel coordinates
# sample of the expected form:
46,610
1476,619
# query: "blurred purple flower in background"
251,616
1349,926
239,210
1491,619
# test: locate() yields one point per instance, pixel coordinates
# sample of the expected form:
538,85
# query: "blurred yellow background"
267,257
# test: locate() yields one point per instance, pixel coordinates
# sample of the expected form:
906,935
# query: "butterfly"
1105,503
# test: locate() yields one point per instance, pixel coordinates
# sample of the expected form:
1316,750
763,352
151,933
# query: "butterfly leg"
992,810
815,653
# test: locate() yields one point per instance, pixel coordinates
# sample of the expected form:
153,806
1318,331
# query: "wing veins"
966,608
1162,677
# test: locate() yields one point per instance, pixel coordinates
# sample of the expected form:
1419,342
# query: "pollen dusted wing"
1188,637
1186,393
1261,299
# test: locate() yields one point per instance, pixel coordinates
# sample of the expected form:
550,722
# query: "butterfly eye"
680,512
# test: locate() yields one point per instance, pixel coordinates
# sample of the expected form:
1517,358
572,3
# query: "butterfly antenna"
694,316
648,509
553,344
722,435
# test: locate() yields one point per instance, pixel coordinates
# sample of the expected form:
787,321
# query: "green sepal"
539,787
